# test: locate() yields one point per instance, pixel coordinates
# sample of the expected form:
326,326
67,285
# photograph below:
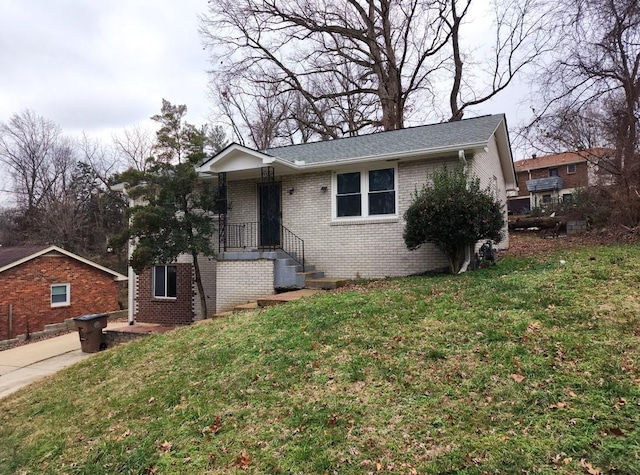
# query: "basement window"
165,282
60,295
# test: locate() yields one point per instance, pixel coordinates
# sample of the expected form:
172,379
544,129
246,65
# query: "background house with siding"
42,285
337,204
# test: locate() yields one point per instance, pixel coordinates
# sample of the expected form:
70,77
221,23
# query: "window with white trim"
60,295
365,193
571,168
165,282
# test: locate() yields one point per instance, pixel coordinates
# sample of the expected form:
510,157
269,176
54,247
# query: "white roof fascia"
118,277
206,166
266,159
505,156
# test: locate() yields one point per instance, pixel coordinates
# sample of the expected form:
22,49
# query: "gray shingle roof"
444,135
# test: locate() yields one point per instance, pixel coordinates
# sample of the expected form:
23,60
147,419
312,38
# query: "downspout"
132,288
122,188
467,250
132,276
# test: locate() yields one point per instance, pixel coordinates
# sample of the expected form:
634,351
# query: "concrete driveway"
27,363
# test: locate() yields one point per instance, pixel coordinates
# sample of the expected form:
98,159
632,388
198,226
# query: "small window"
553,172
571,168
349,200
60,295
546,199
567,198
165,281
382,196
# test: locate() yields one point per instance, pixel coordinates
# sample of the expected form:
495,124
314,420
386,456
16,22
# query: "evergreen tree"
174,209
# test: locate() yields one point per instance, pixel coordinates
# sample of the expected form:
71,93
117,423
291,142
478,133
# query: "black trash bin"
90,331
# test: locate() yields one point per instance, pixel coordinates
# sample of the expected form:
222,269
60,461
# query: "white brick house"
338,204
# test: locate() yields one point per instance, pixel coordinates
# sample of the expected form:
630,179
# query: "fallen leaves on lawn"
333,419
518,378
165,446
614,431
590,469
214,428
243,461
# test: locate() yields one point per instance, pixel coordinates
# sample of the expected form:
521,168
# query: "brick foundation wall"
178,311
242,281
27,288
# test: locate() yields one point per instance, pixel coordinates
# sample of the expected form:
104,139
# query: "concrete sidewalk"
27,363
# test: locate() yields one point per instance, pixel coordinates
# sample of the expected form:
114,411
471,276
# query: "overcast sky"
100,66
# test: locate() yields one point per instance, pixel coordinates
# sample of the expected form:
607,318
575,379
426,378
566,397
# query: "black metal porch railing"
261,236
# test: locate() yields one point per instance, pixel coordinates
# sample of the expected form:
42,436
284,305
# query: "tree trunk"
203,297
542,222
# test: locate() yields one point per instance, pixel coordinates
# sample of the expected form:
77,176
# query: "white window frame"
364,193
166,281
67,302
569,172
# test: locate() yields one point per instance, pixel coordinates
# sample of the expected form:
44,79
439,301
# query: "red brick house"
553,179
46,284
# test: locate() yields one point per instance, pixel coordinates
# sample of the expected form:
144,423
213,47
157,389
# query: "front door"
269,202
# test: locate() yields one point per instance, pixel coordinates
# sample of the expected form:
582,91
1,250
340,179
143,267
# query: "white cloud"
101,66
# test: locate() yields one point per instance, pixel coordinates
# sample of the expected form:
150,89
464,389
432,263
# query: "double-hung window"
60,295
365,193
349,198
165,281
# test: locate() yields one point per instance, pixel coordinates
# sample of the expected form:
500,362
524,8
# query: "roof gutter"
387,157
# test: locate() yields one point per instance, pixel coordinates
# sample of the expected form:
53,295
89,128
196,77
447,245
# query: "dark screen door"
270,208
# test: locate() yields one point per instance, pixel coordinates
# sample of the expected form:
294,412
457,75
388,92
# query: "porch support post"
222,211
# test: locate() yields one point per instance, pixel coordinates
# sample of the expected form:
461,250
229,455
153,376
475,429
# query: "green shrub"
453,212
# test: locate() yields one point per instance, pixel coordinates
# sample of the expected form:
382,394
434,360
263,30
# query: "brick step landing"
325,283
284,297
112,336
246,306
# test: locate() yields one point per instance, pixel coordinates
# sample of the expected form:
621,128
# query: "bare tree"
591,89
40,161
29,149
305,46
362,65
521,35
134,146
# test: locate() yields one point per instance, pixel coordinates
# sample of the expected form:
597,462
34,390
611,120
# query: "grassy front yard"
531,366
